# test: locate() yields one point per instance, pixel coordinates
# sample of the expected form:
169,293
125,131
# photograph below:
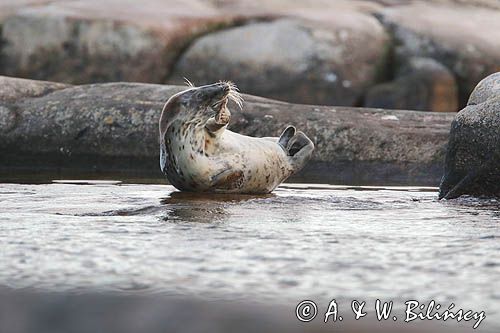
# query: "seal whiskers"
234,94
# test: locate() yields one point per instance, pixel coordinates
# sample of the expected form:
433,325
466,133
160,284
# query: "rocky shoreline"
349,53
113,127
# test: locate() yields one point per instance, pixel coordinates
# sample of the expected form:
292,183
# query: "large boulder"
421,84
98,41
88,41
314,51
464,38
114,127
486,89
472,163
293,60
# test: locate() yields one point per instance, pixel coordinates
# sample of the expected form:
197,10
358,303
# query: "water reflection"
176,197
202,207
190,207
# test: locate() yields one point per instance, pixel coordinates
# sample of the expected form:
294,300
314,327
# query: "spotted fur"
198,152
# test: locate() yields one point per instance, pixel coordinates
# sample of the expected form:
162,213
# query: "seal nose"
216,88
225,87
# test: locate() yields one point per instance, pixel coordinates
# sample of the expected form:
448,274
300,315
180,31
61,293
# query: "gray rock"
488,88
472,164
99,41
114,127
342,47
464,38
421,84
14,89
43,45
292,60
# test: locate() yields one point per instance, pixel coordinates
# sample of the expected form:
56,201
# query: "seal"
198,152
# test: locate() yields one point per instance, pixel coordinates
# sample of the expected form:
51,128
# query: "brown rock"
95,41
83,41
463,38
422,84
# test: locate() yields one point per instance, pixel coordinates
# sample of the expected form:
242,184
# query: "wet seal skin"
199,154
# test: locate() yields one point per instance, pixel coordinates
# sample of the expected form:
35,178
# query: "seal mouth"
231,92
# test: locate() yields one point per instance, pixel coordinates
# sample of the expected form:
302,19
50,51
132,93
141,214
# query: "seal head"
199,153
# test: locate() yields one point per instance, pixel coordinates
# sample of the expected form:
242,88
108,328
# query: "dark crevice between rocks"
388,72
386,68
398,66
2,55
174,57
387,65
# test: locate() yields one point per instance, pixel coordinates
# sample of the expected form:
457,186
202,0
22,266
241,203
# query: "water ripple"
303,241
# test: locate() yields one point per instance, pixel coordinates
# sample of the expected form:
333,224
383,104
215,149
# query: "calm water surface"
315,242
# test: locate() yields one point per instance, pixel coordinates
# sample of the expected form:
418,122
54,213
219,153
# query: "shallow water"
314,242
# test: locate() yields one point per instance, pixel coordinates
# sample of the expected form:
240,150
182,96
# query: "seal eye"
198,95
198,100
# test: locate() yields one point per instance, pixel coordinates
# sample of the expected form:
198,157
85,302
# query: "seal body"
198,152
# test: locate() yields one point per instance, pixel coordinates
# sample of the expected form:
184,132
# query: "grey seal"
198,152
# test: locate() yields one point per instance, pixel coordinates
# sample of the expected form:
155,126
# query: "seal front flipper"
228,179
220,120
215,124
